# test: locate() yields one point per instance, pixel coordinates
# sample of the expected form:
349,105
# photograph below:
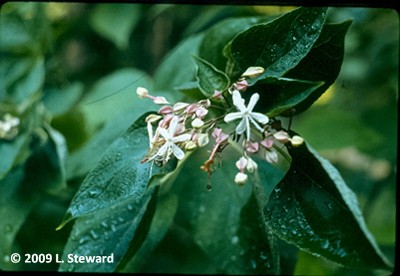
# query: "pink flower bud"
241,164
165,110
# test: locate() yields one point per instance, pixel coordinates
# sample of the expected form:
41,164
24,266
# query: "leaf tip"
68,217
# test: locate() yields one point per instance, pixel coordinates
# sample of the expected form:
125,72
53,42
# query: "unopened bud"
282,136
142,92
240,178
152,118
197,123
179,106
190,145
253,72
271,156
160,100
241,164
251,165
296,141
202,139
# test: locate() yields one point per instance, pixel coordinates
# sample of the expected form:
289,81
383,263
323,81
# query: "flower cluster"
185,126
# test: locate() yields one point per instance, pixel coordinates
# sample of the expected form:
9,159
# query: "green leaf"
9,151
163,218
279,45
210,78
16,201
108,232
323,62
178,67
118,175
211,218
28,87
313,209
280,94
14,34
115,22
60,101
113,99
57,154
349,130
215,38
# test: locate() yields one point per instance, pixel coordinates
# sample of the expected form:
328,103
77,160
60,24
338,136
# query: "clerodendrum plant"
252,75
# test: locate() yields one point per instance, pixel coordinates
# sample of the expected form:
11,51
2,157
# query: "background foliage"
69,72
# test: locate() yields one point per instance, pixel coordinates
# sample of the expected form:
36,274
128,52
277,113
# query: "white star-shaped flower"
246,114
171,140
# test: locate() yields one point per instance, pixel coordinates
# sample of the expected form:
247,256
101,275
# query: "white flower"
246,114
171,140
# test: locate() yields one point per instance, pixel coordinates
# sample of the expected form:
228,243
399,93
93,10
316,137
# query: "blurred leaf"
14,34
281,94
16,201
113,98
115,22
107,232
9,151
279,45
30,85
57,153
178,67
318,126
12,69
323,62
60,101
313,209
209,78
118,175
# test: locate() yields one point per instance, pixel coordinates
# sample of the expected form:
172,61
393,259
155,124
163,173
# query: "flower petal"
253,100
172,126
164,133
177,152
247,127
238,101
232,116
241,127
182,138
259,117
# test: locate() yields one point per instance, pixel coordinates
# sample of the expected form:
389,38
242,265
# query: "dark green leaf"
9,151
162,220
323,62
57,154
178,67
215,38
212,218
210,78
313,209
108,232
16,201
115,22
118,175
280,45
280,94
